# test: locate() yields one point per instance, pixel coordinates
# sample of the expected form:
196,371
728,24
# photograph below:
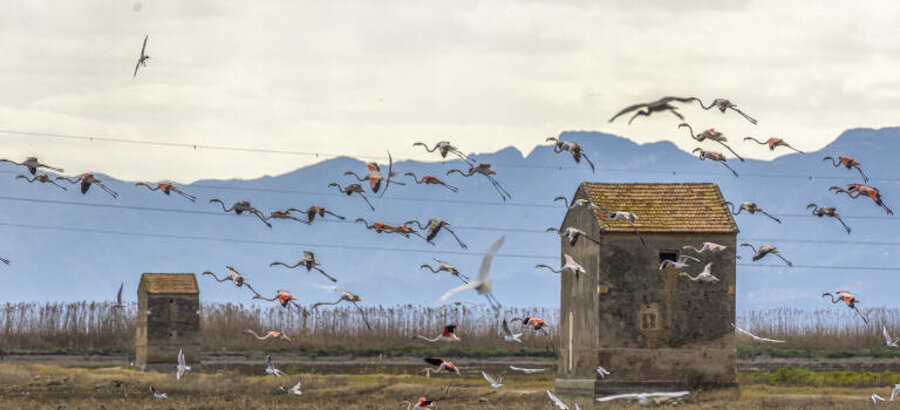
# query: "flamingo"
118,304
434,226
282,296
444,148
755,338
602,372
848,299
481,284
378,226
509,336
346,296
578,203
240,207
645,399
157,394
406,230
293,390
570,266
860,189
167,189
86,181
4,261
448,335
487,171
660,105
679,263
432,180
750,207
556,401
314,210
849,163
773,143
284,214
422,403
270,368
182,366
353,189
712,135
442,365
42,178
710,247
572,235
142,60
446,267
828,211
495,384
375,176
32,164
765,250
526,371
622,216
235,277
723,104
705,276
888,340
309,262
575,149
537,325
714,156
272,334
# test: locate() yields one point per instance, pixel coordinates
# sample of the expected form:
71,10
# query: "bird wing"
269,364
437,361
618,396
506,330
887,336
486,262
458,289
556,401
895,391
742,331
119,295
487,377
181,357
297,386
626,110
765,339
144,47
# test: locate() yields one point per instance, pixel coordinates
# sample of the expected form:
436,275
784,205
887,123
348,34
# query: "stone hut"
168,318
652,329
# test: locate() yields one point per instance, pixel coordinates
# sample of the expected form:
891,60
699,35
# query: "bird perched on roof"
448,335
848,299
856,190
86,180
570,266
660,105
766,250
32,164
750,207
849,163
828,211
142,60
714,156
773,143
167,188
240,207
576,150
309,262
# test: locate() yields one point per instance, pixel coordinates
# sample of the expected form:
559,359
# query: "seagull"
526,371
645,398
660,105
765,250
292,390
270,368
346,296
888,340
481,284
119,303
309,262
572,235
142,60
680,263
755,338
556,401
32,164
157,394
181,367
509,336
569,267
710,247
448,335
495,384
446,267
270,334
235,277
874,398
704,276
602,372
42,178
895,392
442,365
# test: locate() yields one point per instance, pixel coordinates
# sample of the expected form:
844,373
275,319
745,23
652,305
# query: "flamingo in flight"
621,216
119,303
283,297
377,226
422,403
285,214
828,211
32,164
537,325
856,190
723,104
714,156
240,207
42,178
314,210
576,150
488,172
710,247
235,277
712,135
704,276
750,207
375,176
848,299
446,267
442,366
570,266
86,181
481,284
765,250
572,235
432,180
434,226
272,334
646,398
448,335
142,60
309,262
849,163
353,189
660,105
773,143
509,336
526,370
346,296
444,148
4,261
757,339
407,230
167,189
578,203
679,263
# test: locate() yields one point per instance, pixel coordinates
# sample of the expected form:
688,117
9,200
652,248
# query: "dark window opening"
668,256
171,301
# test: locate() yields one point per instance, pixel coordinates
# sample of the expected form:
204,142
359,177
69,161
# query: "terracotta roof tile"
689,207
170,282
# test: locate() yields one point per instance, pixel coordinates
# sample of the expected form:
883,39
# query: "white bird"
292,390
895,392
569,267
572,235
119,303
578,203
556,401
181,367
495,384
705,276
526,371
710,247
874,398
270,368
481,284
602,372
888,340
158,394
644,398
755,338
680,263
508,335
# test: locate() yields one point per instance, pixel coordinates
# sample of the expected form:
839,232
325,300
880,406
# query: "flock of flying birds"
378,182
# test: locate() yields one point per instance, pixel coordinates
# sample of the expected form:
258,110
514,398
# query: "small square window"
668,256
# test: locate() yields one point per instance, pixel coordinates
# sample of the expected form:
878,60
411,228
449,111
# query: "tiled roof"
170,282
691,207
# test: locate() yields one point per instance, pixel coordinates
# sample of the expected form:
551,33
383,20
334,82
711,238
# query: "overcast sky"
361,77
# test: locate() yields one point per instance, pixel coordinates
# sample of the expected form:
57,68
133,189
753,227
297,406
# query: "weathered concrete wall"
166,324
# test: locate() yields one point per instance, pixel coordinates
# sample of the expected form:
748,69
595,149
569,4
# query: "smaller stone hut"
168,318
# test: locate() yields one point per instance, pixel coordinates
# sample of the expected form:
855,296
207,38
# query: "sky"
359,78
